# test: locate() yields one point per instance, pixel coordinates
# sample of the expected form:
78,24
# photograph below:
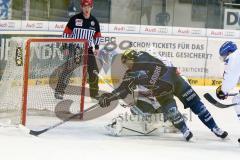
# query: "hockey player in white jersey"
230,55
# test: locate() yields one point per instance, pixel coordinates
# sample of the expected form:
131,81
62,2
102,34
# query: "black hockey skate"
188,135
220,133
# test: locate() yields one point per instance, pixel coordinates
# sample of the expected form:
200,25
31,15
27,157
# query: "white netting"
47,62
11,84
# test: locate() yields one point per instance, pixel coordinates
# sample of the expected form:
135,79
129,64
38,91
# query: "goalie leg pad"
139,125
115,127
130,125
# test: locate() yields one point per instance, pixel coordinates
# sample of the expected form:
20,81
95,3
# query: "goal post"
33,65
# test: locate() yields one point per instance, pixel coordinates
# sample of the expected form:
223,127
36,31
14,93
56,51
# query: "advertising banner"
56,26
165,30
186,31
196,57
123,28
34,25
220,33
187,53
10,25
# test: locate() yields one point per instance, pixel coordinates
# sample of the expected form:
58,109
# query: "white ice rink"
89,140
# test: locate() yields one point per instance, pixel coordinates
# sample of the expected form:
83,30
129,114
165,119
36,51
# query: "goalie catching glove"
220,94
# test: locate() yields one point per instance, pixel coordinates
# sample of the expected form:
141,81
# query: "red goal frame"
26,71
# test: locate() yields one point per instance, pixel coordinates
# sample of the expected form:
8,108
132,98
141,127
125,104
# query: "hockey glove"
104,100
220,94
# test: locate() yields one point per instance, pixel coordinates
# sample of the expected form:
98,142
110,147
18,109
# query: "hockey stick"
208,97
139,131
36,133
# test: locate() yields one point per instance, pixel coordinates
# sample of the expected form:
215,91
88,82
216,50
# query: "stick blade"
216,103
37,133
210,98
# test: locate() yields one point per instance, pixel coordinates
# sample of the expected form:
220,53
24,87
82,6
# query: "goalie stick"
210,99
139,131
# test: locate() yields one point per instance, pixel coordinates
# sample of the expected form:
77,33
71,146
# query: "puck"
238,140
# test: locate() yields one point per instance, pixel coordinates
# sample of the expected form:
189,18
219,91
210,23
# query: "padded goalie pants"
72,63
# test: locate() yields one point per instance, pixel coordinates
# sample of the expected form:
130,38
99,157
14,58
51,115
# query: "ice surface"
89,140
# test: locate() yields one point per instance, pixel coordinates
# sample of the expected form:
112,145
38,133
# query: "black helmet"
129,54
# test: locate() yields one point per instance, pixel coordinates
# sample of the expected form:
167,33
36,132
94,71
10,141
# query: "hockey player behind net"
162,82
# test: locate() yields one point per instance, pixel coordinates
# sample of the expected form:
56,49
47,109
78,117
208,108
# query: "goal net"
35,70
